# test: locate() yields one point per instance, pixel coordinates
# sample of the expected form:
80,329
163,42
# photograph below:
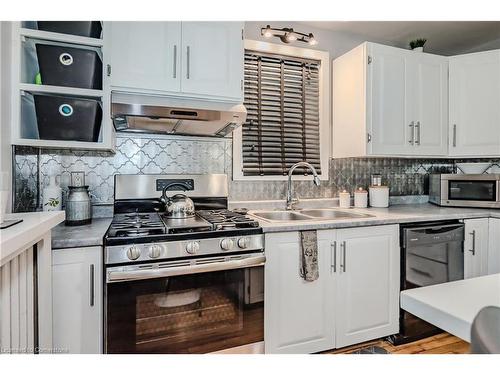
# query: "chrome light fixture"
288,35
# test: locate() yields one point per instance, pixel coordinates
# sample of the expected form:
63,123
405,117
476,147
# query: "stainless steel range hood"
174,115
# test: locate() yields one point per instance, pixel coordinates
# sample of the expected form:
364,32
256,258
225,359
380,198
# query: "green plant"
417,43
53,202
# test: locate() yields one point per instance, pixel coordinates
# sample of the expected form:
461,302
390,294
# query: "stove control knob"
133,252
192,247
243,242
154,251
227,244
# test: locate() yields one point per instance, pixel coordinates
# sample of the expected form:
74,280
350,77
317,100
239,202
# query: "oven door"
187,306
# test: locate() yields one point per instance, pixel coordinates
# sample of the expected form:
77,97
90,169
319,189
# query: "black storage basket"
68,66
91,29
68,119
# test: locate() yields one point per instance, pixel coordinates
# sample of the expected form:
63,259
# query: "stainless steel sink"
281,216
333,214
312,214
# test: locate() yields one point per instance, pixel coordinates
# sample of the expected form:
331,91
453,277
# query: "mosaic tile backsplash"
179,155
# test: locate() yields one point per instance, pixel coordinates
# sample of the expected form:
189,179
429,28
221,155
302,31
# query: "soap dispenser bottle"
52,196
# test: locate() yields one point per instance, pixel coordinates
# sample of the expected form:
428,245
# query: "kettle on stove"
179,206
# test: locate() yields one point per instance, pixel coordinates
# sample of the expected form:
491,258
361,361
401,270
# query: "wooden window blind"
282,125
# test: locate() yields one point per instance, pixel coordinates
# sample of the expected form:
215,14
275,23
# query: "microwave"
465,190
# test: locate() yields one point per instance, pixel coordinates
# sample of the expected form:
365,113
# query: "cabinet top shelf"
62,90
65,38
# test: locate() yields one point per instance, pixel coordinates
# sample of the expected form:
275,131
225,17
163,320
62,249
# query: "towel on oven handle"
309,255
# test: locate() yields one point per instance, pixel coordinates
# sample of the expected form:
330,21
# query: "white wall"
5,54
336,43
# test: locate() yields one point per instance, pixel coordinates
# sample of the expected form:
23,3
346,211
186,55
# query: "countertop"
80,236
398,214
452,306
92,234
17,238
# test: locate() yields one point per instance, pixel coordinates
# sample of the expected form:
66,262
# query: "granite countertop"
92,234
80,236
398,214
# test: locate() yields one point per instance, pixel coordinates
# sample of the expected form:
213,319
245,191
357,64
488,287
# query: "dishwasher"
431,253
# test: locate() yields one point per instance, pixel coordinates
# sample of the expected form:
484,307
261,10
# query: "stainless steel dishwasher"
431,253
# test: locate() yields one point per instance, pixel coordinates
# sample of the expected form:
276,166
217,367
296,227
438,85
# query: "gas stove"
141,232
181,285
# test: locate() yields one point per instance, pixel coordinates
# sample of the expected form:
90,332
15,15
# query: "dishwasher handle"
417,236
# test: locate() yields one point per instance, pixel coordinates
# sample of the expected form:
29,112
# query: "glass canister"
78,206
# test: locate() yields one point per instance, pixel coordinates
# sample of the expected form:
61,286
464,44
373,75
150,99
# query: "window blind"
282,125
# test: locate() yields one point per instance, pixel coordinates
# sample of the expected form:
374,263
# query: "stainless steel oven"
465,190
197,305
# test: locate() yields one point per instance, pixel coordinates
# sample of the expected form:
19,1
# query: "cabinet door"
493,246
298,314
427,103
388,121
367,303
77,300
476,248
474,93
144,56
212,54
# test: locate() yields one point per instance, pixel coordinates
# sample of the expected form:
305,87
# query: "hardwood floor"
444,343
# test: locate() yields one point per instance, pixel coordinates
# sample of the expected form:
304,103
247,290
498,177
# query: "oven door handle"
117,275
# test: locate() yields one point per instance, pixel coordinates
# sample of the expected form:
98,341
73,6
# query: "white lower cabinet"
493,246
367,285
77,300
476,247
355,298
298,315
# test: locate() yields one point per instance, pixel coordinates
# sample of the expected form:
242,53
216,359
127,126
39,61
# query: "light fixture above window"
288,35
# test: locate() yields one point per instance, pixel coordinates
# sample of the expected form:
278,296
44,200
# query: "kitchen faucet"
290,202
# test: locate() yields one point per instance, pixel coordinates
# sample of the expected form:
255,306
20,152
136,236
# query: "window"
283,98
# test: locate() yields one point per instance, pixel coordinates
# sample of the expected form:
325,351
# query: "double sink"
309,214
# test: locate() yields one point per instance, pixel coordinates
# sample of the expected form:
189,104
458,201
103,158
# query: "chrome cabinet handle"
92,285
412,132
343,247
333,251
454,135
175,61
417,129
473,250
188,53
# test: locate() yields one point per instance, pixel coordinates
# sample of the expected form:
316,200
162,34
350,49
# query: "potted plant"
418,44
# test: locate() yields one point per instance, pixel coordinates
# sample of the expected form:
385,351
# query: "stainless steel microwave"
465,190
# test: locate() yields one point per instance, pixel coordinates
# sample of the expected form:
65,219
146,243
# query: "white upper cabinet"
474,108
145,55
389,101
427,103
193,59
213,59
386,93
